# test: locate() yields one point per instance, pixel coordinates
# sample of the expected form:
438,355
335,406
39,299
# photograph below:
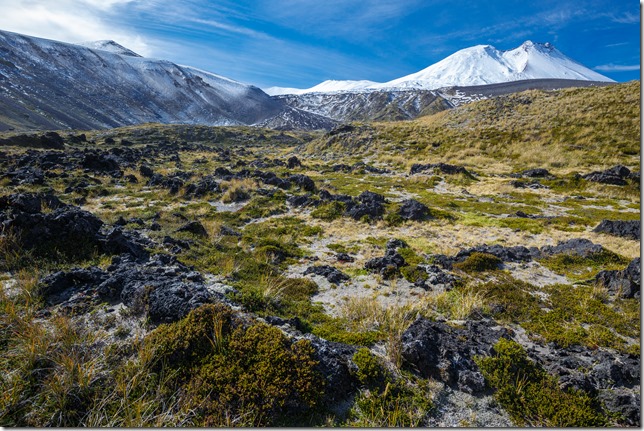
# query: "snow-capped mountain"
46,84
477,65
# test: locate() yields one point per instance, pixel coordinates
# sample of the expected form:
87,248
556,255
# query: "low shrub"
479,262
329,211
531,396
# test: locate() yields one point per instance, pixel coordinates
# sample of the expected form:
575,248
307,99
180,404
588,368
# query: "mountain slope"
477,65
46,84
369,106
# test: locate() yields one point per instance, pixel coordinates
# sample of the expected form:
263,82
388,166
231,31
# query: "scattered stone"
344,257
333,275
389,265
534,184
203,187
630,229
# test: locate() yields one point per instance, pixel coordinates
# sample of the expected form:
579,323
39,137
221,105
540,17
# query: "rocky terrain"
476,267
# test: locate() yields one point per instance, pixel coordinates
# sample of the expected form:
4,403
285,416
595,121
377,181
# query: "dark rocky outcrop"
630,229
575,247
442,167
439,351
335,364
389,265
533,173
624,283
64,229
613,377
333,275
162,289
368,204
616,175
411,209
195,228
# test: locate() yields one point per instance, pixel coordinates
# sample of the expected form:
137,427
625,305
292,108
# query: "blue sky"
299,43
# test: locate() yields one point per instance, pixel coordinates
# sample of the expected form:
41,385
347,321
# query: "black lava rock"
413,210
439,351
630,229
333,275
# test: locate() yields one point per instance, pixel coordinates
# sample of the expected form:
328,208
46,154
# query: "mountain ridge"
46,84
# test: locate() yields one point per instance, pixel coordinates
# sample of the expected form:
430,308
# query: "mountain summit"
477,65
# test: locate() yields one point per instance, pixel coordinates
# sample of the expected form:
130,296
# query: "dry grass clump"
368,314
237,190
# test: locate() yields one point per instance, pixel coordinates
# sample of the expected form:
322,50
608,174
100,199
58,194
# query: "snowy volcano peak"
477,65
110,46
484,64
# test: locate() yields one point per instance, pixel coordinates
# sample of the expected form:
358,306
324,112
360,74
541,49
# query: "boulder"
293,162
195,228
616,176
303,182
630,229
411,209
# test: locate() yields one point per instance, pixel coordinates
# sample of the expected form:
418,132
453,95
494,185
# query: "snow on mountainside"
46,84
109,46
323,87
477,65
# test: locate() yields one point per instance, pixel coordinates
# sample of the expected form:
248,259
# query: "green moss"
329,211
413,273
478,262
531,396
333,329
583,268
266,206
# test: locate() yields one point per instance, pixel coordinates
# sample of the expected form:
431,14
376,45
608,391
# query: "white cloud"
617,68
69,21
